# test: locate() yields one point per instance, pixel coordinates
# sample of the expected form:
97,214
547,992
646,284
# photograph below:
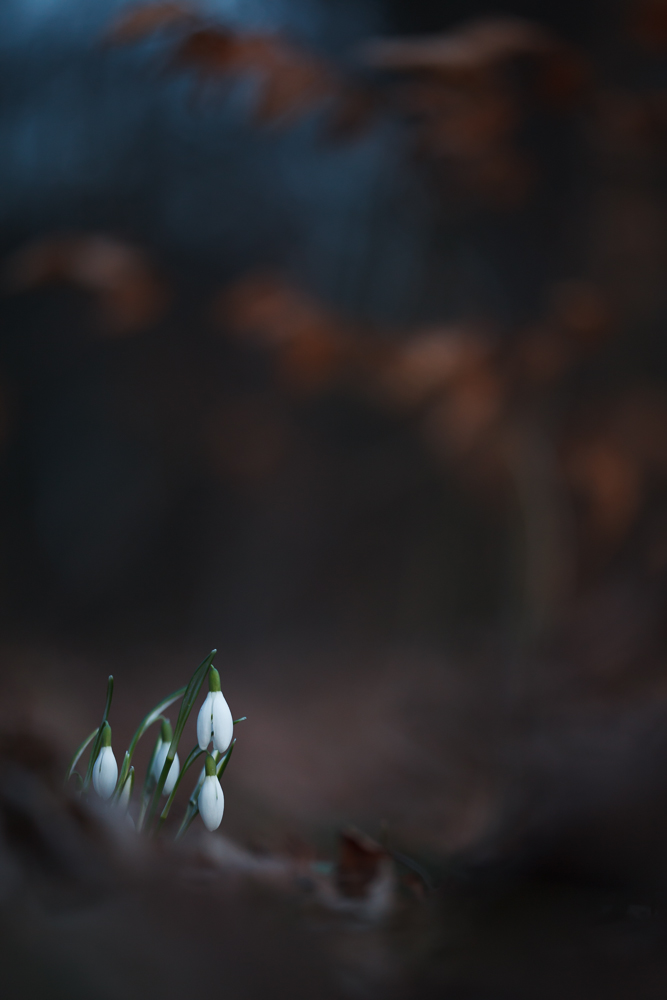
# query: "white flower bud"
158,764
105,769
215,721
211,799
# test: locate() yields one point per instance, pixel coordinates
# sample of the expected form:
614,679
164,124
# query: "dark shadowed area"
333,336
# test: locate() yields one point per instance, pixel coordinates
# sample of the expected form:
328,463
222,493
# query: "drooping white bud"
158,764
211,799
105,769
164,741
215,721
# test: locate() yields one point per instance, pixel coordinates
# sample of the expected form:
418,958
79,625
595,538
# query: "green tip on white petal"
210,766
106,735
213,680
166,733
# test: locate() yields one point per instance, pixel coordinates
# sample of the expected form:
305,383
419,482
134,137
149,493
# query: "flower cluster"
214,725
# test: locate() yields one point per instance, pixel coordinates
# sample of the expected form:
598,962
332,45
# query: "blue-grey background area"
113,523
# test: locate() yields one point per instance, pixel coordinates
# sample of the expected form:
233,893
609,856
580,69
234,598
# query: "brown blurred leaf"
609,481
311,345
292,84
129,293
470,123
137,23
429,361
462,418
474,46
580,310
466,109
290,81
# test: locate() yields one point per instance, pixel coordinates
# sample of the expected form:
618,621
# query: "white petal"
204,723
211,802
223,724
105,773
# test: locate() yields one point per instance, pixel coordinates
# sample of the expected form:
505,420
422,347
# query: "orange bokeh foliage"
129,294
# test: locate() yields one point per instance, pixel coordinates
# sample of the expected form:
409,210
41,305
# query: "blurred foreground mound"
88,908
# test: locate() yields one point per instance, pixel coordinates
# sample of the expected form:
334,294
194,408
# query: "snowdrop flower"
211,800
161,756
105,769
215,719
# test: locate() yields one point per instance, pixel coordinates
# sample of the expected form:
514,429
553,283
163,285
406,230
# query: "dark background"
413,639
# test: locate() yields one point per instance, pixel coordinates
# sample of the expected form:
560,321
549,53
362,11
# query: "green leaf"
149,784
79,753
225,760
79,780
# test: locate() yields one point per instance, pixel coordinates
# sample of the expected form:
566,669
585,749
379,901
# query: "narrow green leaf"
109,697
79,780
122,777
79,753
148,785
225,760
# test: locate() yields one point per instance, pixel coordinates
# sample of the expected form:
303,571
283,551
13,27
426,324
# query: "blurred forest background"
332,334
